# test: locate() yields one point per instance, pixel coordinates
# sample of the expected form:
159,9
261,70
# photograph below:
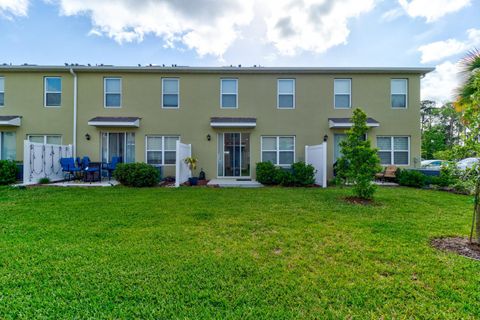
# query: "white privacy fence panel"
317,157
43,161
182,171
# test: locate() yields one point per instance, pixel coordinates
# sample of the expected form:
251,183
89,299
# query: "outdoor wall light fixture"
209,137
325,138
87,136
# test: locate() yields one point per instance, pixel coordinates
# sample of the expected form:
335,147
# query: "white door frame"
223,155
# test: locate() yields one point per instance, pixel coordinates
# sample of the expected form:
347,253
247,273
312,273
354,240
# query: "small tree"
468,103
359,162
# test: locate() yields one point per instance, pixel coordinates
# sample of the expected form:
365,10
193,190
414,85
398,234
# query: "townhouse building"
234,117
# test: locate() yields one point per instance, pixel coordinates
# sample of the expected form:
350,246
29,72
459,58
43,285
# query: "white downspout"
74,144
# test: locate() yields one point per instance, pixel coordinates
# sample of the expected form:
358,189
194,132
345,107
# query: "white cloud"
207,26
440,85
9,8
436,51
432,10
439,50
311,25
210,27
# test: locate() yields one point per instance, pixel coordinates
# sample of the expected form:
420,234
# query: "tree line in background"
442,129
452,131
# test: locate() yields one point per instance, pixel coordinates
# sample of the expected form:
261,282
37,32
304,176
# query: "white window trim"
163,149
278,94
178,93
278,150
349,95
45,91
45,137
221,93
3,91
406,93
392,151
105,93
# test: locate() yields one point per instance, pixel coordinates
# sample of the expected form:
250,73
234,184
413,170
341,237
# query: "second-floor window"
343,93
2,91
53,92
286,93
170,93
113,92
229,93
399,90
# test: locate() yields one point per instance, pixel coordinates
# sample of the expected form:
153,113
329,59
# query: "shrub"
303,174
284,177
299,174
464,186
446,178
411,178
44,180
8,172
136,175
266,173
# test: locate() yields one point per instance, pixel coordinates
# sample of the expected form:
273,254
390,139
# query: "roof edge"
184,69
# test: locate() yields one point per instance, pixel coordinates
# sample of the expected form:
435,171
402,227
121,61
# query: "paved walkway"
386,184
234,183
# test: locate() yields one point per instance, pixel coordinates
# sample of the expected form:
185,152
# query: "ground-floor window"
394,150
118,144
279,150
45,138
8,146
161,150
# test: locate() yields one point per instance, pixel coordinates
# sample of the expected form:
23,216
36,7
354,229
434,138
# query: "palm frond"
471,61
469,65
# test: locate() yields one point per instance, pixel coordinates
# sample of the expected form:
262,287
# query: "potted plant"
192,165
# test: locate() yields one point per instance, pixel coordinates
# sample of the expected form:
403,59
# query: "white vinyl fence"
182,171
317,157
43,161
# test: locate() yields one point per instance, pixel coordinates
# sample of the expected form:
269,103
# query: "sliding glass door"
8,146
233,154
118,144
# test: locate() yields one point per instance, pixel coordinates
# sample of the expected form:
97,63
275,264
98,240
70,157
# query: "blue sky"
247,32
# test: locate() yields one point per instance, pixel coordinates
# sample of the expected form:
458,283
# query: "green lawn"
232,253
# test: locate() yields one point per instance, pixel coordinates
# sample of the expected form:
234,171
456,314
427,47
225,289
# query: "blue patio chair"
110,167
68,167
88,171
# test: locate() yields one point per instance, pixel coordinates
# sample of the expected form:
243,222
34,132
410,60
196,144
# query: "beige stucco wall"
200,100
24,96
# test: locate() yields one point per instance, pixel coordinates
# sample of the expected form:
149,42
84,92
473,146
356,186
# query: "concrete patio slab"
106,183
234,183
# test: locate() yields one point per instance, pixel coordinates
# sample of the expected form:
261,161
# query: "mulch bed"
458,245
356,200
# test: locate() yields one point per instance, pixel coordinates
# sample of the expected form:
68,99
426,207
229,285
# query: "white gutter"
74,144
